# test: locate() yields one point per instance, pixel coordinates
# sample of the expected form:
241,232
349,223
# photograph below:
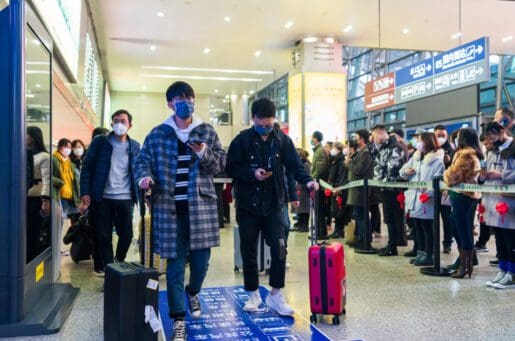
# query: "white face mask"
420,146
66,152
346,151
78,151
120,129
441,141
333,152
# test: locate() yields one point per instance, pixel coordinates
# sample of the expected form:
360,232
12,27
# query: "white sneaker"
278,304
99,273
506,282
253,302
179,331
497,278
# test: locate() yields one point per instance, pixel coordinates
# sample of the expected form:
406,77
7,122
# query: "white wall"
150,109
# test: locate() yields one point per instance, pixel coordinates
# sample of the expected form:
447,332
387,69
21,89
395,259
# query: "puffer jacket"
503,161
389,160
428,167
464,169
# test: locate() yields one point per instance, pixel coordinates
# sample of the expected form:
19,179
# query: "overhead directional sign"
457,68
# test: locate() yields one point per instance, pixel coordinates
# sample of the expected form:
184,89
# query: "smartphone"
482,164
268,173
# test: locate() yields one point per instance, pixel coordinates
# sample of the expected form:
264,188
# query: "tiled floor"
388,299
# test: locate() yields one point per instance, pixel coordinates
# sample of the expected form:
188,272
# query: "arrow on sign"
428,67
479,70
479,49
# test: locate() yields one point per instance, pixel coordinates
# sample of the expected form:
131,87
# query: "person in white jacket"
425,165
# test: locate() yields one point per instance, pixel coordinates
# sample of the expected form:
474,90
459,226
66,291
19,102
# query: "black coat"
244,157
361,166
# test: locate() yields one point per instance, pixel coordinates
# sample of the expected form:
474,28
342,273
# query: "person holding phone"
256,160
180,157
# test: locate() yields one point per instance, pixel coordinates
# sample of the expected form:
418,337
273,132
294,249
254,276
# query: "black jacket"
244,157
447,148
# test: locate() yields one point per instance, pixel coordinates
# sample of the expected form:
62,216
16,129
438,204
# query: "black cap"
399,132
318,135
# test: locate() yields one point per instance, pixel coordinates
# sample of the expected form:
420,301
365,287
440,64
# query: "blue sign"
414,73
466,54
223,318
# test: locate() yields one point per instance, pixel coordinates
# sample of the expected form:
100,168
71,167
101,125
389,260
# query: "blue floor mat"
223,318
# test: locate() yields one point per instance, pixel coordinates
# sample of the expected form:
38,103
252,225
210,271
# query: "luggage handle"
147,195
313,207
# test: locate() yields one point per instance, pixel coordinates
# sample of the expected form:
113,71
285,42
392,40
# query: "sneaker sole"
195,316
99,275
500,286
483,251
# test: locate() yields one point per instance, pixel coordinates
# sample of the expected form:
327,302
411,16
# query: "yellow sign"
40,271
295,109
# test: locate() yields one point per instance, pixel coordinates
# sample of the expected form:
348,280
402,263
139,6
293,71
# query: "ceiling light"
347,29
176,68
144,88
226,96
153,75
152,48
227,19
288,25
456,35
329,40
206,50
310,40
251,92
212,105
216,91
257,53
507,39
405,31
30,95
38,86
160,14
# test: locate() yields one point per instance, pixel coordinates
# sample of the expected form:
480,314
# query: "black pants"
98,264
375,218
219,188
425,235
484,234
448,222
272,228
107,213
34,228
321,213
392,216
505,243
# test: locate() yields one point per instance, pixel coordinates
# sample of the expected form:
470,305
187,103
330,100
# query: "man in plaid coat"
180,157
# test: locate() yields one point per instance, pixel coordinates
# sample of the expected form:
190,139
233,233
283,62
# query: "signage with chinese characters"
462,66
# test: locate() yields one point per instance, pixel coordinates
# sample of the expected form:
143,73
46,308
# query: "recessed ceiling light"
310,39
456,35
329,40
38,86
226,96
347,29
405,31
206,50
197,69
289,24
160,14
211,78
257,53
251,92
144,88
507,39
227,19
152,47
216,91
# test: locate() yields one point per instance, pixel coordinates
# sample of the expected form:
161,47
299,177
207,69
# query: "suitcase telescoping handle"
313,208
147,196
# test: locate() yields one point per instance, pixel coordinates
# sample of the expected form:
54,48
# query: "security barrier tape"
414,184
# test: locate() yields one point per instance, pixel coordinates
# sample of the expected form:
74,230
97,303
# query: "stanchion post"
436,270
366,248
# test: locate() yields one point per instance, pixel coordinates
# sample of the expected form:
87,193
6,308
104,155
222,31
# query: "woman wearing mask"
426,163
303,210
38,200
500,170
65,168
78,150
338,177
464,169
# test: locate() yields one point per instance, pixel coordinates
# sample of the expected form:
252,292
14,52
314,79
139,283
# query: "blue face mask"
184,109
505,121
263,131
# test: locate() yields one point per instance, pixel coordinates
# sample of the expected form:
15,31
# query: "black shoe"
301,229
446,249
337,235
402,243
296,224
194,305
325,237
494,263
411,253
388,252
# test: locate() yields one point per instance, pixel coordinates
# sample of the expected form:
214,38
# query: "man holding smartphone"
180,157
256,160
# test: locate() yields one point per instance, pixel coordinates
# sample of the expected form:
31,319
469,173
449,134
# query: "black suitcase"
130,290
126,294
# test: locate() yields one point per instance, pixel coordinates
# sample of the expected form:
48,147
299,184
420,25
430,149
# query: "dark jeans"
272,228
448,224
505,242
359,217
199,263
98,264
321,212
425,235
392,216
286,222
463,208
107,213
375,218
484,234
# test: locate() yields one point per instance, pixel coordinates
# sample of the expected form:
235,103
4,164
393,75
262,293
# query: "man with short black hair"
320,171
389,160
256,161
108,187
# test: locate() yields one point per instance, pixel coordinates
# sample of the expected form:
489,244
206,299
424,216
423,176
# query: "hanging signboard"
462,66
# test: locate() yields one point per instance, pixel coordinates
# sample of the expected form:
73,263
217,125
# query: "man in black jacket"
256,160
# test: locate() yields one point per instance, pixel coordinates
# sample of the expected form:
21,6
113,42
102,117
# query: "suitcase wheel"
313,318
344,311
336,320
236,269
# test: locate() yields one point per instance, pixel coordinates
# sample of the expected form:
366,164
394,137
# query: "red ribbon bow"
481,209
424,198
339,200
401,199
502,208
328,193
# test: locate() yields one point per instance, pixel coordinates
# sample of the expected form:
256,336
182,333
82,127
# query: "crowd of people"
180,157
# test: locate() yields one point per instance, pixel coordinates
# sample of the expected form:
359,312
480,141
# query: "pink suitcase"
327,287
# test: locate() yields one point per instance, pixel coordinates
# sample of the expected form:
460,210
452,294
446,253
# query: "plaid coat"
158,160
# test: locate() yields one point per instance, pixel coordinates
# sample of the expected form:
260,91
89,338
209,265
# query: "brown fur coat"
464,169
